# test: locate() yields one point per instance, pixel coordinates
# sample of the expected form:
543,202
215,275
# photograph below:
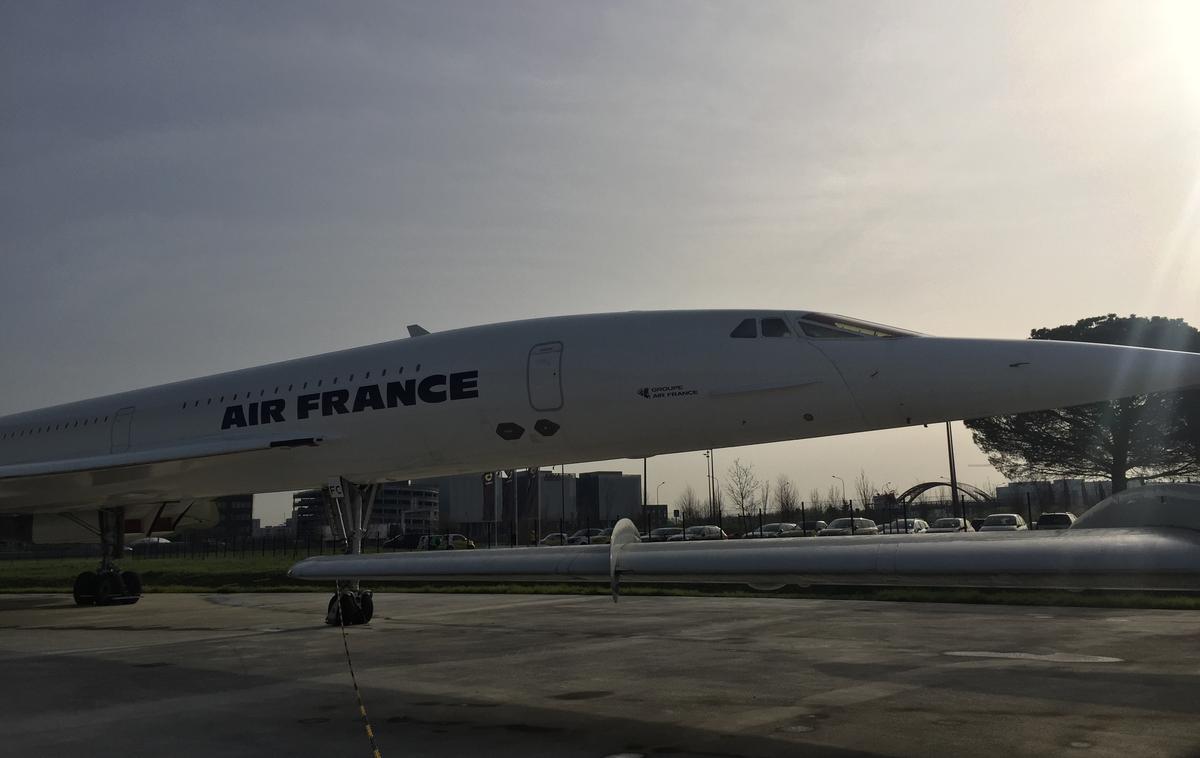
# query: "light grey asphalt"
449,675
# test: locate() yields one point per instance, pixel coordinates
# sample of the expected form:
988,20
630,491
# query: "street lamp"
657,501
712,497
843,481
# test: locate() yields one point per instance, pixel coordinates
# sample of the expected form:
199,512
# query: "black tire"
351,611
86,586
108,587
133,583
367,606
331,612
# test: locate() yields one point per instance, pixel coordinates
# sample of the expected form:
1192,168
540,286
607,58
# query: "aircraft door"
545,376
121,425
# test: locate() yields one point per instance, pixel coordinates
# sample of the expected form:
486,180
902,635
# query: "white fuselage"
577,388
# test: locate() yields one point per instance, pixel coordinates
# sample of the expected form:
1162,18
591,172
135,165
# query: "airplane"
556,390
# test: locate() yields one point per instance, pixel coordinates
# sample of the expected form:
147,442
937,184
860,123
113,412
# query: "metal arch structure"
912,493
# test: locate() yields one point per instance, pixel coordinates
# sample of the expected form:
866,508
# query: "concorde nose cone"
914,380
1107,372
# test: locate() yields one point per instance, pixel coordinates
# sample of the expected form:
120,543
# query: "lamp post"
843,481
657,498
708,472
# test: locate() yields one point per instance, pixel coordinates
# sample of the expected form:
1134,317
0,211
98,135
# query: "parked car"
909,526
769,530
840,527
583,536
943,525
151,546
701,532
555,538
663,533
805,529
1055,521
445,542
603,538
1003,522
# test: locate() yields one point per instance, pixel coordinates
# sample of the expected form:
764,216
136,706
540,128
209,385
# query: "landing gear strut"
349,510
108,585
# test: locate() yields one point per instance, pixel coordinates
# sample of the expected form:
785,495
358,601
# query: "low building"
399,508
605,497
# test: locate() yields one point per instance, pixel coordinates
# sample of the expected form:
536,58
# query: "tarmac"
536,675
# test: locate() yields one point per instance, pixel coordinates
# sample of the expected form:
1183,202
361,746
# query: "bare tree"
786,498
764,499
689,506
833,497
865,488
814,499
742,488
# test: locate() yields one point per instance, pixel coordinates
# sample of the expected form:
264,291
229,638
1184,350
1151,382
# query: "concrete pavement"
513,675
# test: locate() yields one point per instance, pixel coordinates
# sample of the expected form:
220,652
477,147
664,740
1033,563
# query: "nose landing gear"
349,509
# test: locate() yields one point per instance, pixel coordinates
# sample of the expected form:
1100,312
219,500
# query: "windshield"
944,523
829,326
1004,519
1054,519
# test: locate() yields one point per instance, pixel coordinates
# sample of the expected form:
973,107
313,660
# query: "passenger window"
748,329
775,327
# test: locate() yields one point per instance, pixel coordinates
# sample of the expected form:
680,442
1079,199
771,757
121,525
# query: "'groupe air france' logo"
670,390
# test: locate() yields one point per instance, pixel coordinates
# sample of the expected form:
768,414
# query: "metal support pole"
516,508
645,497
958,504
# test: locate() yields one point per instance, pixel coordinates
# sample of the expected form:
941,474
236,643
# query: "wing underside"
125,478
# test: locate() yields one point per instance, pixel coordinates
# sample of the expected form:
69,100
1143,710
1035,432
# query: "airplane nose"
1109,372
927,379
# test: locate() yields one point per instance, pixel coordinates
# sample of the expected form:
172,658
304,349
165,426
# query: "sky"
193,188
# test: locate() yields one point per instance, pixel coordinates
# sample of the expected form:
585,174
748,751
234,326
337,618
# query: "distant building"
1075,495
235,521
605,497
398,509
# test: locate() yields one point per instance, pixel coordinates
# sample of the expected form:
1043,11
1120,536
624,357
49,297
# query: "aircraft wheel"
351,610
133,583
355,607
86,586
108,588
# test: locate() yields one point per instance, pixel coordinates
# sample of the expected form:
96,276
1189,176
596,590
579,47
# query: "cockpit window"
827,326
748,329
775,327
